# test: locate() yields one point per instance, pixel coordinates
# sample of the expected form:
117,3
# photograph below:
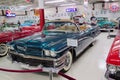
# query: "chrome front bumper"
47,64
110,76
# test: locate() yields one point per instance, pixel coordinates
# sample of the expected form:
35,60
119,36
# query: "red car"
113,60
7,36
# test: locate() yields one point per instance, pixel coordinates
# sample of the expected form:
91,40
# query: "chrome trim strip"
35,57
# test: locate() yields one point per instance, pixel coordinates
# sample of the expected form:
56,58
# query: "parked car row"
104,23
12,33
55,48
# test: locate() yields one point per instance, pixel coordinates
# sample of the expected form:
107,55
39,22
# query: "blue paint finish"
54,40
103,22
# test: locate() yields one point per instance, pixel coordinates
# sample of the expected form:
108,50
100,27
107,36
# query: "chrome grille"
34,51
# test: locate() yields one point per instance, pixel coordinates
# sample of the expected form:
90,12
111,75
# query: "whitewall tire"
68,61
3,50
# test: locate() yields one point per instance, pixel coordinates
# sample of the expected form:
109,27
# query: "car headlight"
49,53
112,68
11,47
52,53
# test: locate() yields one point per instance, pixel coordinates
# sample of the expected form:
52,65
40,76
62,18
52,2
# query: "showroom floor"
89,66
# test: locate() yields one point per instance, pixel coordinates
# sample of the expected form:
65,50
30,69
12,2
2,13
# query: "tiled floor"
89,66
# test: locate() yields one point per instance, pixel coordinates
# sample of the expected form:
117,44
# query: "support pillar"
41,10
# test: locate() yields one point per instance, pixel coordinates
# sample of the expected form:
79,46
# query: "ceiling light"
55,1
106,0
68,4
86,2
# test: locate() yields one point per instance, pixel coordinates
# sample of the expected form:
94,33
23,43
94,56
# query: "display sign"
114,7
71,9
72,42
11,15
8,11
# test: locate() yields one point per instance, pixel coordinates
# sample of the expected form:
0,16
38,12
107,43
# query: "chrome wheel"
68,61
3,50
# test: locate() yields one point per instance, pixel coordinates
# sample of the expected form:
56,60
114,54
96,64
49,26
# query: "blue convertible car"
55,48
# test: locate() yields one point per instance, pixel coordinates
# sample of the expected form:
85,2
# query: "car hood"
48,42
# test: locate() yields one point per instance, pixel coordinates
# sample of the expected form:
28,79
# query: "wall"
30,16
51,14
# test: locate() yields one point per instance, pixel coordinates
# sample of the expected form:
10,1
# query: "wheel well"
73,53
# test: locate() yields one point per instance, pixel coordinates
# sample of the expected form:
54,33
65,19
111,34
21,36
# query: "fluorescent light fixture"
106,0
68,4
55,1
86,3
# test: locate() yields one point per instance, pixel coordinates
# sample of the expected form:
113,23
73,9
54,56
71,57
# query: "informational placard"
72,42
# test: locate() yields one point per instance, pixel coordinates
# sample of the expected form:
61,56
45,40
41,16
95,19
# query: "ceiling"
29,4
18,4
74,2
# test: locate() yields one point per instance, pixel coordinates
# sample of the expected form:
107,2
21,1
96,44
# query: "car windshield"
60,27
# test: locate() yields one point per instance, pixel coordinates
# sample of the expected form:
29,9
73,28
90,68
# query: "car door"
85,40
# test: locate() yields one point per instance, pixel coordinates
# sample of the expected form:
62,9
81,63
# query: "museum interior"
60,39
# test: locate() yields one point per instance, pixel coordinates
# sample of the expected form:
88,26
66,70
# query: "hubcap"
68,61
3,49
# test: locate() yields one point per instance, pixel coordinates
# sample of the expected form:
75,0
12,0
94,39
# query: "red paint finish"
114,53
42,19
20,71
17,34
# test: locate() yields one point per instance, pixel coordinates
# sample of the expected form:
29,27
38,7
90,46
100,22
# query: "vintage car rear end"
113,60
49,50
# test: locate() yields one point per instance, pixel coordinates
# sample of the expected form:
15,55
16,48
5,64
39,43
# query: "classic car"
104,23
28,23
55,48
9,33
113,60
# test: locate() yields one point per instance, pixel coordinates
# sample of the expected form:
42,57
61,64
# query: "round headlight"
52,53
47,53
112,68
11,48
